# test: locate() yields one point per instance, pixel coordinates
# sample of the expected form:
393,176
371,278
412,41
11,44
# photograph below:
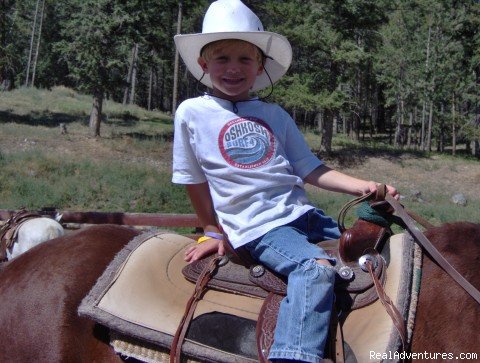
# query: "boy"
244,163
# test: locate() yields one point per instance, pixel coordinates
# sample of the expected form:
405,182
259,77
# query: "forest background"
405,69
385,90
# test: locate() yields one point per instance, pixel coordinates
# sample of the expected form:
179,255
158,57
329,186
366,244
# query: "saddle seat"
354,287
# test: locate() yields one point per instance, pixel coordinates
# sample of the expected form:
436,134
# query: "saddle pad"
143,294
370,330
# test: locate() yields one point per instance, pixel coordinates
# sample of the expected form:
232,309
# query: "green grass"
62,100
35,180
129,168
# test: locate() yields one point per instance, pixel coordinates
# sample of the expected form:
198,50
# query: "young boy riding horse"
245,163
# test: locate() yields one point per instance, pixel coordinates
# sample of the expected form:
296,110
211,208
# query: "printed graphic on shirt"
247,142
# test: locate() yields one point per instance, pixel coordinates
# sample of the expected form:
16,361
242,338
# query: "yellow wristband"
203,239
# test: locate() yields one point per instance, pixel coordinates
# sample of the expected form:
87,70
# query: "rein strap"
431,249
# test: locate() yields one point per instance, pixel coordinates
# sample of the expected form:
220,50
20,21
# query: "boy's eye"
221,58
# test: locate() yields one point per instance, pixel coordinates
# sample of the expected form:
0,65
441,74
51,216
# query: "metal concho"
362,262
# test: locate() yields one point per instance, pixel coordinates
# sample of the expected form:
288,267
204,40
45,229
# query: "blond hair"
207,51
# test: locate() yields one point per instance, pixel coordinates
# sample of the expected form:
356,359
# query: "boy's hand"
372,187
196,252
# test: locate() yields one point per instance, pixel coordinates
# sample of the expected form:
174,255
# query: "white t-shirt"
254,161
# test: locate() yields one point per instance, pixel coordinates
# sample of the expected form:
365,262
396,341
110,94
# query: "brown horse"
41,290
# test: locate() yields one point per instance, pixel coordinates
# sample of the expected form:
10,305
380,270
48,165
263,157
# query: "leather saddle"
354,287
142,297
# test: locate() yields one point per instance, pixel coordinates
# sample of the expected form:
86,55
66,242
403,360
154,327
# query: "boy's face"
233,69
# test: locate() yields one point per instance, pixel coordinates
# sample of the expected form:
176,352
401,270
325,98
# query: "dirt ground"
410,174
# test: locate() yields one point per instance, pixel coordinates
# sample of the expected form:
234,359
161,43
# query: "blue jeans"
304,315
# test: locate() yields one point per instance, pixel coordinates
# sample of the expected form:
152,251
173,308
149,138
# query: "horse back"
41,291
448,317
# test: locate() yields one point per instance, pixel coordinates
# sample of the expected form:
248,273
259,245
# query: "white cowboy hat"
231,19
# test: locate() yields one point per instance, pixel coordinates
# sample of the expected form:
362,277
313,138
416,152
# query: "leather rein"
409,218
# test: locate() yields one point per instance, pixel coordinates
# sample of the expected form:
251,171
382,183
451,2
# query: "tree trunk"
32,37
399,139
175,69
96,114
126,92
305,121
39,37
430,128
319,121
345,124
329,113
150,84
441,128
422,131
134,75
424,110
475,148
410,130
327,131
454,127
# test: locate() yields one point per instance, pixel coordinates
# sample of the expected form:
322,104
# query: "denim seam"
307,303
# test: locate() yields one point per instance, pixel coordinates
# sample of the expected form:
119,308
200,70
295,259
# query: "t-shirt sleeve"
186,169
298,152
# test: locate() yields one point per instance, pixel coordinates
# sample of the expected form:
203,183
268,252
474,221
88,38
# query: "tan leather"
151,291
370,328
390,307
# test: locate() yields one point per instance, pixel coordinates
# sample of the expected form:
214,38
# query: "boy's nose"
234,67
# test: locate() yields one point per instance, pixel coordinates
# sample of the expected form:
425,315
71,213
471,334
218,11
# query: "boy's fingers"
221,249
189,250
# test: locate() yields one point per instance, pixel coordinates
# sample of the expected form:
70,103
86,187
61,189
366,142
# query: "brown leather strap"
267,322
409,218
392,311
431,249
338,354
420,220
350,204
200,287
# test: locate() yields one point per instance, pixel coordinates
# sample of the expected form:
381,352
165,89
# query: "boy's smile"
233,70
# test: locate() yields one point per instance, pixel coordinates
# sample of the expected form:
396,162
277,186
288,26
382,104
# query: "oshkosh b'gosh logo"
246,142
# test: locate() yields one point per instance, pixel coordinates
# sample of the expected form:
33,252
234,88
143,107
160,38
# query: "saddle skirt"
143,294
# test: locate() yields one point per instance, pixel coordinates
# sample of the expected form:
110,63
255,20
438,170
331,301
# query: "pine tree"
94,36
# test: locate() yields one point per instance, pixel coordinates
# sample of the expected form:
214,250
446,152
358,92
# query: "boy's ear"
260,69
202,63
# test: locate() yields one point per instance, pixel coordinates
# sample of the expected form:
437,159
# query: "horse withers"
42,289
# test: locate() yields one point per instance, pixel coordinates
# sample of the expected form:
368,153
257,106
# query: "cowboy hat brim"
275,47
